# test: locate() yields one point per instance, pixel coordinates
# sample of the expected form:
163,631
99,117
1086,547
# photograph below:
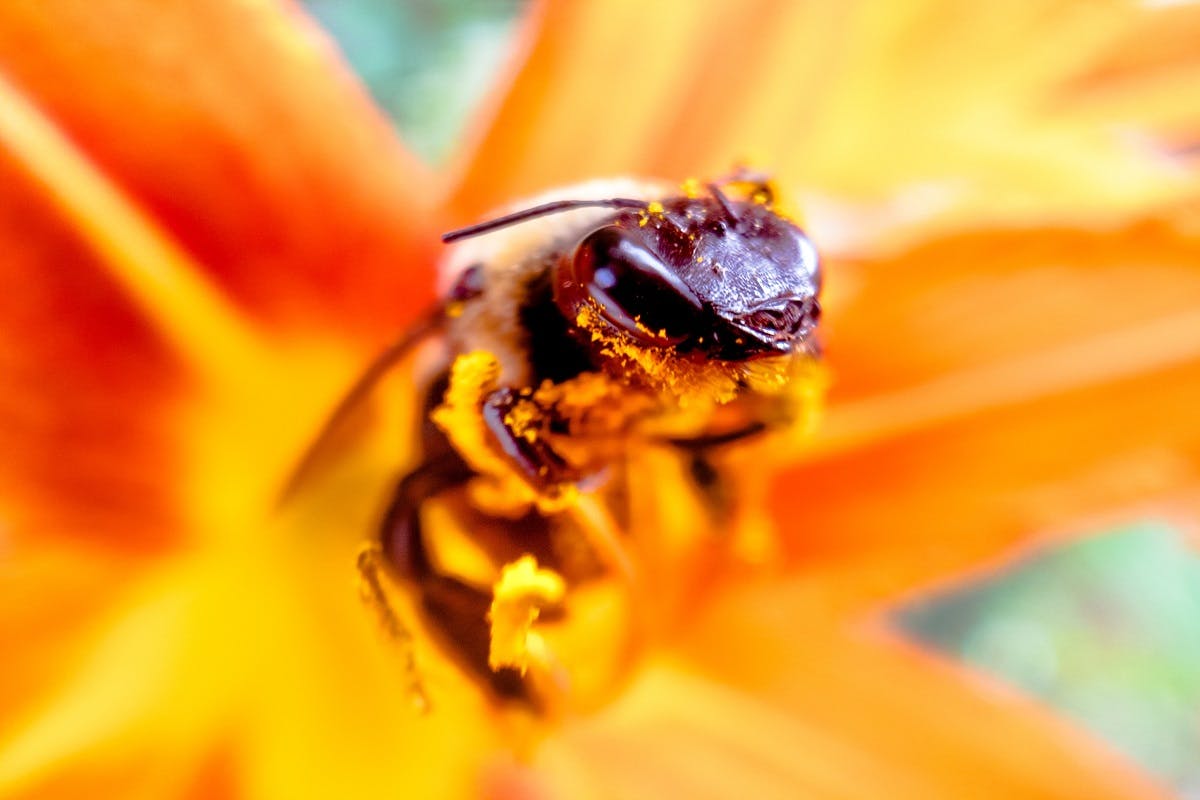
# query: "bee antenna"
723,201
538,211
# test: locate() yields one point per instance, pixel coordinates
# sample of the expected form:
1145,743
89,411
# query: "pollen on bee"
523,418
518,598
652,208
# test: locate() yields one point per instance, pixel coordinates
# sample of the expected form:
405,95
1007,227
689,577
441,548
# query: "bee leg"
536,460
457,612
369,561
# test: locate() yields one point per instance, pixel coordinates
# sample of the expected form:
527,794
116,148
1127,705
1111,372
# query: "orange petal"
956,303
1144,79
999,390
923,727
237,128
270,643
858,99
62,591
125,778
673,734
901,514
88,389
916,729
145,776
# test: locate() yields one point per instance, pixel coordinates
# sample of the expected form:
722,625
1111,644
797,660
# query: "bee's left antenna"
539,211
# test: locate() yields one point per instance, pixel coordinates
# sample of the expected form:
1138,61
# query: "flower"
208,229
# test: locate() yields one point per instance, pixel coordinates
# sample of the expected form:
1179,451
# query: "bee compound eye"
634,289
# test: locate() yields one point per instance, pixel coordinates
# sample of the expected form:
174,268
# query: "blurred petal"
125,701
831,718
278,172
136,778
1002,295
1144,80
270,641
928,727
94,409
934,503
855,99
65,592
674,734
86,419
1066,391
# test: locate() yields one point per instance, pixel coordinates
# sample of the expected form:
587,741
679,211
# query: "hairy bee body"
602,371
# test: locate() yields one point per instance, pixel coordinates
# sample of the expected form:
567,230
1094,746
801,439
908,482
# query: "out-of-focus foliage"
427,62
1108,630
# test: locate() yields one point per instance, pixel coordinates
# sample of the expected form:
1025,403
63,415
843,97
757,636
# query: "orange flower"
207,230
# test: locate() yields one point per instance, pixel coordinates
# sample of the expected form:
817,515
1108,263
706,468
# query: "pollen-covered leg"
523,591
503,435
516,422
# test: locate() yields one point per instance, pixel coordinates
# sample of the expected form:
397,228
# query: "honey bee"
576,336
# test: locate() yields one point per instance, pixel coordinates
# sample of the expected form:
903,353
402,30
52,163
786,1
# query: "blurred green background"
427,62
1107,630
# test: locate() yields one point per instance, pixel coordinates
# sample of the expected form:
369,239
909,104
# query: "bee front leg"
518,423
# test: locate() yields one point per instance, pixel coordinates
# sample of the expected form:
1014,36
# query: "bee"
579,338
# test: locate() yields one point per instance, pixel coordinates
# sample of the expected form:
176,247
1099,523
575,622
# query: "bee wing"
428,326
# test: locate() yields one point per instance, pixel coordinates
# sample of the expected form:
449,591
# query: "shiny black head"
711,277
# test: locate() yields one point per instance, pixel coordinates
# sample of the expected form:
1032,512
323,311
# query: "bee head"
711,277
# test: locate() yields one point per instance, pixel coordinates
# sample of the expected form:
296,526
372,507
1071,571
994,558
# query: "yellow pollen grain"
691,188
655,207
587,319
523,419
472,377
518,597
